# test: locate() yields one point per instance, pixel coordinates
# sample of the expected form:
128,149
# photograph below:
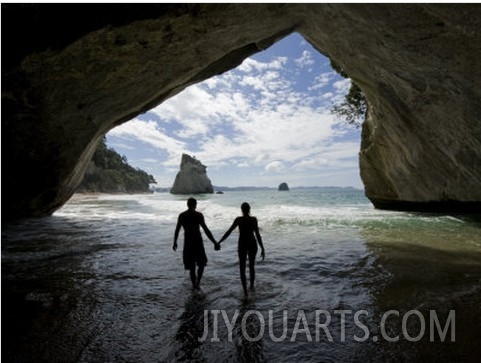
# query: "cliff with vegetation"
108,172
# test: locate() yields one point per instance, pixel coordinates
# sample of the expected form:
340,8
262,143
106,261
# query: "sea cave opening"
267,121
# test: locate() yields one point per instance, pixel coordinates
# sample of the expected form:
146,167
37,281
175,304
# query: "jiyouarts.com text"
318,325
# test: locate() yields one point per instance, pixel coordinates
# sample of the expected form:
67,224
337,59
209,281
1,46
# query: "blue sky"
265,122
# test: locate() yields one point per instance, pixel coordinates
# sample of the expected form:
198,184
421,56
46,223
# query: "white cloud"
275,166
342,86
148,132
123,146
243,165
250,65
322,80
148,160
305,60
254,82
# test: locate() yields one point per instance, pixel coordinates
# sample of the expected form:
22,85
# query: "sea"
98,281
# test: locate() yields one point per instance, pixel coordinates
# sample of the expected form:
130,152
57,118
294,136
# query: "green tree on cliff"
111,173
354,107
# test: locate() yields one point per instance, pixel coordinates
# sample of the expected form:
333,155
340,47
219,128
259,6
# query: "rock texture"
283,187
96,66
191,178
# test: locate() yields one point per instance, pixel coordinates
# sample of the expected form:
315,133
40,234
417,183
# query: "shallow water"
98,281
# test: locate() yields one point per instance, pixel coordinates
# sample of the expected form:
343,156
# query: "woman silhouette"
249,236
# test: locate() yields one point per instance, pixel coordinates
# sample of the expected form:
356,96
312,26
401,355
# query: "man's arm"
207,231
176,233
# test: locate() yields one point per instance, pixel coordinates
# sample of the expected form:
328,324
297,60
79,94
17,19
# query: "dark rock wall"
418,66
103,64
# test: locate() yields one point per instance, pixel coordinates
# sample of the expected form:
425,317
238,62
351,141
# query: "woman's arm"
259,238
229,231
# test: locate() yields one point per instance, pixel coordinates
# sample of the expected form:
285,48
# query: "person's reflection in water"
249,237
249,334
191,327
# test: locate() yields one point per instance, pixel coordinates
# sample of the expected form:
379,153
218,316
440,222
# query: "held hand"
174,247
263,255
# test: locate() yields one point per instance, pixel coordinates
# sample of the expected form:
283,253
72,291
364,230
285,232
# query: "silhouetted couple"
194,252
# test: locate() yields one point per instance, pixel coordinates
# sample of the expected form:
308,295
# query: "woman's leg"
200,272
193,278
242,269
252,263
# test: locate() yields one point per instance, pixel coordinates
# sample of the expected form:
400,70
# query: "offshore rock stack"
283,187
191,178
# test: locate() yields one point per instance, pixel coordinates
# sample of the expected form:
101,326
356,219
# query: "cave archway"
266,121
416,63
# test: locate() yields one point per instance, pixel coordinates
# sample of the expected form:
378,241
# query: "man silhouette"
194,252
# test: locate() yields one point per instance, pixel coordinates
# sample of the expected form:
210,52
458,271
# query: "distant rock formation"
192,178
283,187
109,172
